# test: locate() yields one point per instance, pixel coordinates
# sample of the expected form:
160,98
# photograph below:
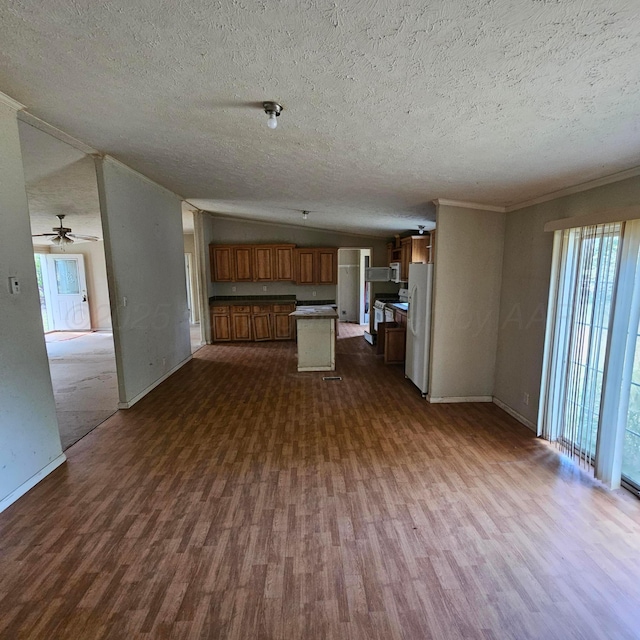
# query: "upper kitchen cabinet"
414,249
252,263
316,266
243,257
222,264
410,249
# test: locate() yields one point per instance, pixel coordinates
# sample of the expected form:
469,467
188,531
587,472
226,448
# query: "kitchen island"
316,330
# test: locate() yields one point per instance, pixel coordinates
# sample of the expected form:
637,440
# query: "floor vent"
331,378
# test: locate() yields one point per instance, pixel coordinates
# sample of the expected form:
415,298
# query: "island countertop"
314,311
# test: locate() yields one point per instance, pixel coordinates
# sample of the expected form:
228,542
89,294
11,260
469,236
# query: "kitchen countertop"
400,306
315,311
252,300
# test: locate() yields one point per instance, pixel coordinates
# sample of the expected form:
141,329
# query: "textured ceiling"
493,101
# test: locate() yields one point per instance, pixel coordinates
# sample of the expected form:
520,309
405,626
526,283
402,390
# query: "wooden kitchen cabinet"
222,264
261,320
282,324
258,322
394,344
305,266
413,249
283,262
252,263
241,323
220,323
263,263
316,265
243,257
327,266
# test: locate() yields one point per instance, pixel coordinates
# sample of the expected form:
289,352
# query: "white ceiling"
493,101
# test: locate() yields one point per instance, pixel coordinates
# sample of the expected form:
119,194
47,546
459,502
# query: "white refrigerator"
419,325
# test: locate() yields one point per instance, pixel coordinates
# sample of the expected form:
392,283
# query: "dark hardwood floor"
243,500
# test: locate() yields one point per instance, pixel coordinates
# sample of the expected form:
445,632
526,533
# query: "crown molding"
8,101
469,205
45,127
583,186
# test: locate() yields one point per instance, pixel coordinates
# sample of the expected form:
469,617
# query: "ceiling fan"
63,235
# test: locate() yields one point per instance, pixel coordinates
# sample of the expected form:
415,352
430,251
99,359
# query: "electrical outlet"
264,287
313,293
525,398
233,289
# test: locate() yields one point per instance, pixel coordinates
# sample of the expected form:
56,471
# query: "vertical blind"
582,304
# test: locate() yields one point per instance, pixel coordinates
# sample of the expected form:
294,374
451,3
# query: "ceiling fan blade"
77,236
39,235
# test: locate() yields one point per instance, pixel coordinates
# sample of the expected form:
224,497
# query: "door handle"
84,298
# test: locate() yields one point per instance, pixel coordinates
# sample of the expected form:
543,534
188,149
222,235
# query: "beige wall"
467,281
29,438
526,271
145,262
97,286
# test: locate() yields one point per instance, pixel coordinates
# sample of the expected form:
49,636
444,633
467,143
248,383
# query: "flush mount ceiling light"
420,229
273,110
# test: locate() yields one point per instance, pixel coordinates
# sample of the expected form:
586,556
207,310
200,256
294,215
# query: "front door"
68,292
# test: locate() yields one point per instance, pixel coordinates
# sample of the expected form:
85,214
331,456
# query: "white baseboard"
31,482
142,394
460,399
514,414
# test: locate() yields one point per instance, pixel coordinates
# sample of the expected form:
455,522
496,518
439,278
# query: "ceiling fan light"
56,240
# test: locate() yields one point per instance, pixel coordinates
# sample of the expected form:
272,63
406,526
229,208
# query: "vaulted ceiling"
386,105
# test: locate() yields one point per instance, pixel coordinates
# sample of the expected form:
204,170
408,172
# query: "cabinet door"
261,327
221,264
394,345
220,327
305,262
243,259
283,263
326,266
263,264
241,326
405,258
282,326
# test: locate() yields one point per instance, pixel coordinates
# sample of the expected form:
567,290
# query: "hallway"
241,499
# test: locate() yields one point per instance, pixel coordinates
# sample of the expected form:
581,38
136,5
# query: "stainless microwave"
392,273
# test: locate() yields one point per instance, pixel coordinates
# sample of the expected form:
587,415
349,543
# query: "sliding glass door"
590,396
631,446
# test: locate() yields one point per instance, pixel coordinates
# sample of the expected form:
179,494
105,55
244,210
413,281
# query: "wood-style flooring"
243,500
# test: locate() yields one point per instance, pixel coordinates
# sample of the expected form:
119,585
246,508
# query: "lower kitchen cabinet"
261,319
259,322
240,324
220,327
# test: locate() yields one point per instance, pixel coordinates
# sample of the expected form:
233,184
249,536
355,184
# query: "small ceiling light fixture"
273,110
421,229
305,215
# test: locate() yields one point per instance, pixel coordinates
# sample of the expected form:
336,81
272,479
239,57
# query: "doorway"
353,293
72,281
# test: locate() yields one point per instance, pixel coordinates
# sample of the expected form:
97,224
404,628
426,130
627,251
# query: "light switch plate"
14,285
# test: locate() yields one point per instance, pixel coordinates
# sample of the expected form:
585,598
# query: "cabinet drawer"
241,309
220,310
284,308
261,308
